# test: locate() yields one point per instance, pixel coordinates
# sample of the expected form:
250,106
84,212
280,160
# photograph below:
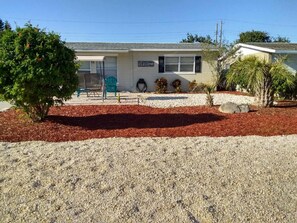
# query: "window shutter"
161,64
198,64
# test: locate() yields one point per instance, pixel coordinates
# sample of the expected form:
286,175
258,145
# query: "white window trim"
179,56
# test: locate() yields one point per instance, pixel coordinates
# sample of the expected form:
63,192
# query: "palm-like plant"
258,77
209,98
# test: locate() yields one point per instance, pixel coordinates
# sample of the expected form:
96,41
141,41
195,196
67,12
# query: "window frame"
179,56
84,69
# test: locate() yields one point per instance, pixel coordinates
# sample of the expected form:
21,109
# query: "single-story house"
129,62
270,52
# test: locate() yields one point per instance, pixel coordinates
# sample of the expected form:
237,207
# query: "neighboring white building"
270,52
129,62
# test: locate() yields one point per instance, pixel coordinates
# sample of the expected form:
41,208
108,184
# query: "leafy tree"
7,26
37,70
254,36
197,39
259,77
1,25
212,56
280,39
259,36
216,59
4,25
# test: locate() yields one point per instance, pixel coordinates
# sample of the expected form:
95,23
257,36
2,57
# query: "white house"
129,62
270,52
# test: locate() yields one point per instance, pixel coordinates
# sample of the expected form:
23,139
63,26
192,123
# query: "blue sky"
152,20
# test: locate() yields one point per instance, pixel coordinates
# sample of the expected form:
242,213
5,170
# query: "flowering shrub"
161,85
176,85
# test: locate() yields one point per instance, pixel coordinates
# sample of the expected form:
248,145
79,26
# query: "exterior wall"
251,52
125,74
150,74
290,62
128,72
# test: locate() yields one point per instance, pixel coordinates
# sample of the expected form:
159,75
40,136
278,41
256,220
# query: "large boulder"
231,108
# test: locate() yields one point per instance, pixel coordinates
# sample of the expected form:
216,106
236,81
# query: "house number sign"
143,63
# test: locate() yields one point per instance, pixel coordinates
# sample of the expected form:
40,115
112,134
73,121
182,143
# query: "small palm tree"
258,76
209,98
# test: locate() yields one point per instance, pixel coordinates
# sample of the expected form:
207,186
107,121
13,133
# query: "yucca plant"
209,98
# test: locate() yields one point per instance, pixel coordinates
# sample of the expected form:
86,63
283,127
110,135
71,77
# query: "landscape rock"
244,108
232,108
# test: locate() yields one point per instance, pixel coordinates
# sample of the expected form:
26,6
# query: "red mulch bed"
70,123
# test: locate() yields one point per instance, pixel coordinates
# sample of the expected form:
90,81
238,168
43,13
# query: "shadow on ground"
165,98
140,121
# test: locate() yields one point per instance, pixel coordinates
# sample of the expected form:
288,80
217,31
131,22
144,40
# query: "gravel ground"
162,100
177,100
191,179
152,99
200,179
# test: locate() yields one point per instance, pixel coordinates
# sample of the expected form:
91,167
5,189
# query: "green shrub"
37,70
176,85
283,89
161,85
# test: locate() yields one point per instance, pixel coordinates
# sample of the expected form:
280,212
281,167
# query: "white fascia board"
102,51
263,49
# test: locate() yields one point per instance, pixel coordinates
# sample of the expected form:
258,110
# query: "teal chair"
111,85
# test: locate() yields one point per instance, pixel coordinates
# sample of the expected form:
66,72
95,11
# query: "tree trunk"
265,92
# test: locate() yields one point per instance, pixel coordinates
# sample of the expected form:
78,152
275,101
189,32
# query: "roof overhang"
90,58
264,49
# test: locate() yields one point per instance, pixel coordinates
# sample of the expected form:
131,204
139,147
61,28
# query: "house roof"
126,47
272,47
